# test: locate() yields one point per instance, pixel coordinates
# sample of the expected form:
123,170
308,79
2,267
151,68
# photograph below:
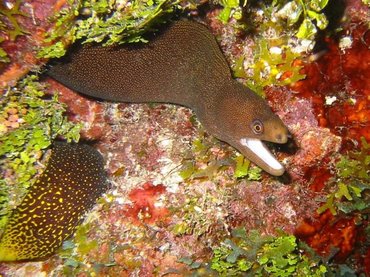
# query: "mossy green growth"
3,55
74,252
112,22
243,169
252,254
62,32
305,16
284,30
279,67
107,22
29,122
203,154
352,183
200,212
205,164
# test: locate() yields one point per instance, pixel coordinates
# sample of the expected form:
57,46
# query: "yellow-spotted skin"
70,185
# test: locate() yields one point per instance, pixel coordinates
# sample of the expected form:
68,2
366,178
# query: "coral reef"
180,200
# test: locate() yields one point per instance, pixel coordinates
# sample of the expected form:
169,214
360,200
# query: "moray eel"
69,186
182,65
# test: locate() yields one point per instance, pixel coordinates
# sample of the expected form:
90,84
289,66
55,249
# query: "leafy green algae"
106,22
252,254
351,193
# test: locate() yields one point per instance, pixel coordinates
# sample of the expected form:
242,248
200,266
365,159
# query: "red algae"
144,208
338,85
318,176
329,236
366,261
341,76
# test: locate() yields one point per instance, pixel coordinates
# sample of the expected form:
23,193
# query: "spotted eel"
181,65
69,186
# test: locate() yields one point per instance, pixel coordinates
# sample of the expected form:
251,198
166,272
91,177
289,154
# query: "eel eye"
257,126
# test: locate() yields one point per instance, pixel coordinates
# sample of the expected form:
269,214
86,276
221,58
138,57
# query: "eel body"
69,186
182,65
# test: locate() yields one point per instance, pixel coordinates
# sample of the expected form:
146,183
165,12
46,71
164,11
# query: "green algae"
252,254
106,22
350,193
258,255
205,164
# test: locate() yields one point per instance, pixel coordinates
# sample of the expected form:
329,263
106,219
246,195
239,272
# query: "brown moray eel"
69,186
182,65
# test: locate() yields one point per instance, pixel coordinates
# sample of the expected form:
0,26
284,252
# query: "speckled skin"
181,65
70,185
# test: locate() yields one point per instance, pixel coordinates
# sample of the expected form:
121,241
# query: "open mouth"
264,158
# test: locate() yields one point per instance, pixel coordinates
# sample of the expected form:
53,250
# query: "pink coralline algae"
83,110
314,143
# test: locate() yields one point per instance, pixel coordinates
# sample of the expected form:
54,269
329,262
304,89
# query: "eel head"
244,120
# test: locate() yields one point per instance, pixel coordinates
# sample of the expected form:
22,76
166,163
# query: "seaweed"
206,163
113,23
274,66
252,254
57,41
283,31
73,251
307,14
106,22
351,193
231,9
